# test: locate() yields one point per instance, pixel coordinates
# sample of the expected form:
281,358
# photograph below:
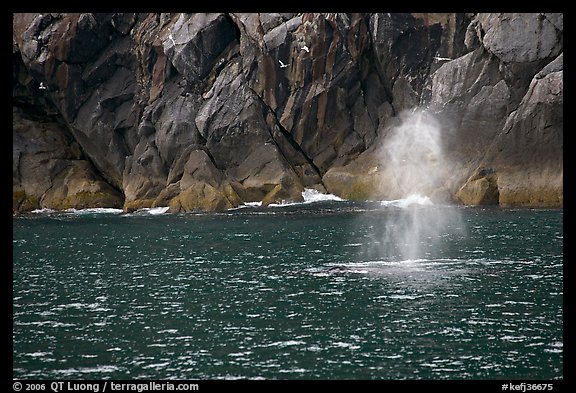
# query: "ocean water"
319,290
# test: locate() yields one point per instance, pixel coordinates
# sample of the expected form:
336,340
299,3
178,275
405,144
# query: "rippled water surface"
293,292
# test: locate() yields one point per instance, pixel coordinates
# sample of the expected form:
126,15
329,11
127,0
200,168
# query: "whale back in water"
421,269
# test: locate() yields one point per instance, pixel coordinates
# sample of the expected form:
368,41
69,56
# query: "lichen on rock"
202,197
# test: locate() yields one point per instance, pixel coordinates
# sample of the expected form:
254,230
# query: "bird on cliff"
282,65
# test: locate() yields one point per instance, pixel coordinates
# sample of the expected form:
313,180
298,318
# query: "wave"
248,204
412,199
97,210
310,195
93,210
43,211
153,211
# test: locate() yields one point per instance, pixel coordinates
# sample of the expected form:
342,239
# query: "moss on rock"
350,185
22,203
202,196
282,194
86,199
551,198
479,191
130,206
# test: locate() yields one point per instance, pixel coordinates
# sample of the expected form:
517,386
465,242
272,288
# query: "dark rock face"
207,111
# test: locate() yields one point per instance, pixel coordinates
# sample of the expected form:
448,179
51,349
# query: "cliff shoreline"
204,112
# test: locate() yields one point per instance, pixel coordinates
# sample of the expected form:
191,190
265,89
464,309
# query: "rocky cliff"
203,112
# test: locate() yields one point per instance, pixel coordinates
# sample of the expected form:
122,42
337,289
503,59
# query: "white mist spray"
414,171
412,154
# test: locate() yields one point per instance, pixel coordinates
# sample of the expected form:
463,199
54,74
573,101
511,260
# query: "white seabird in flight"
306,48
442,58
42,86
282,65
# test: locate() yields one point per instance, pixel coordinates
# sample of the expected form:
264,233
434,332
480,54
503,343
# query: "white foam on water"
253,204
246,205
171,331
38,354
311,195
106,210
97,210
88,370
410,200
285,204
153,210
340,344
293,370
240,354
287,343
43,210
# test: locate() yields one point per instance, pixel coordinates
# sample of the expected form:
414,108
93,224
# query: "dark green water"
300,292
